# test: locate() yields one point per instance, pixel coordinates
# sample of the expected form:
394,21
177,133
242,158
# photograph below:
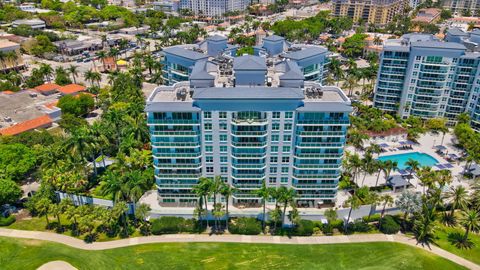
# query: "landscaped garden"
30,254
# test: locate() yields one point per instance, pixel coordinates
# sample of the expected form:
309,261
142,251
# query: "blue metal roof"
249,62
185,53
274,38
305,52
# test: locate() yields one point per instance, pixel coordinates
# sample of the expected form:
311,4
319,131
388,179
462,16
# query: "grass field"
472,254
30,254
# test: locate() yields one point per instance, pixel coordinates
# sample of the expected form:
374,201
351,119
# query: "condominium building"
372,11
462,6
248,119
179,61
214,8
422,76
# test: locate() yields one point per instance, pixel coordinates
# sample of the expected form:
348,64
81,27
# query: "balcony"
249,133
174,133
315,176
314,186
317,166
175,186
249,166
338,122
172,122
249,122
249,144
249,155
178,166
321,133
175,144
320,145
320,155
259,176
247,185
177,176
177,155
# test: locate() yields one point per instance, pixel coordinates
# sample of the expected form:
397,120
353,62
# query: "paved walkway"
57,265
355,238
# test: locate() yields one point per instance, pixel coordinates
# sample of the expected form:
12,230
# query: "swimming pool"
401,159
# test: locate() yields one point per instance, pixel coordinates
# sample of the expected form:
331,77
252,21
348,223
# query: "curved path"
355,238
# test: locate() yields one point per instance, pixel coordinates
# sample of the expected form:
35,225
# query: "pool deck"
425,145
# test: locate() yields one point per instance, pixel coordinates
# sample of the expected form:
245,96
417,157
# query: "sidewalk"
355,238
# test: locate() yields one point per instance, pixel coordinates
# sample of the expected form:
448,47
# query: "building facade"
179,61
214,8
461,7
248,129
372,11
422,76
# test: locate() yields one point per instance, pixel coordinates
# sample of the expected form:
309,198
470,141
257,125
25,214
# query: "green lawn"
472,254
30,254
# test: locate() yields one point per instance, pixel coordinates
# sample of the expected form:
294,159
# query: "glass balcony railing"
248,176
320,155
249,155
317,166
249,133
249,121
316,176
175,144
319,145
249,144
174,133
320,133
177,155
312,186
173,122
177,166
249,166
324,122
177,176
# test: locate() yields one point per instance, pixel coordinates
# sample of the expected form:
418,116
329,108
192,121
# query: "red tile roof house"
43,121
72,89
47,88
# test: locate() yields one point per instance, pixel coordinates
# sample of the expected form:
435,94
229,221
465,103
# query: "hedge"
245,225
5,221
373,218
165,225
388,225
304,228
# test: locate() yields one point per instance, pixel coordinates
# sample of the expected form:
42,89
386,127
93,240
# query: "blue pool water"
401,159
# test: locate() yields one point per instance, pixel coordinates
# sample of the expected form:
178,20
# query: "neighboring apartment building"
462,6
214,8
372,11
179,61
11,57
422,76
248,119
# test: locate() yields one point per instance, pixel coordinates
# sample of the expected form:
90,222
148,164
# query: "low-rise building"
33,23
378,12
427,15
11,56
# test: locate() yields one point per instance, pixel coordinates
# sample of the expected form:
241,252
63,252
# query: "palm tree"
112,185
389,166
47,71
350,83
379,166
149,63
470,220
354,203
227,191
93,77
412,166
356,138
369,165
424,225
216,187
42,207
287,196
102,55
458,198
203,190
73,70
386,200
335,67
264,193
356,164
217,213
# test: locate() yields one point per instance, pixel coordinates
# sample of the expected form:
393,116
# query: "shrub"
373,218
245,225
458,240
359,226
388,225
5,221
304,228
165,225
337,224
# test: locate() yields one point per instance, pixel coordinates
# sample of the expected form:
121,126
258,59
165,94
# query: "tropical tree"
387,200
217,213
227,191
409,203
42,208
287,197
412,165
458,197
203,190
354,203
424,225
264,193
470,220
47,71
73,70
356,138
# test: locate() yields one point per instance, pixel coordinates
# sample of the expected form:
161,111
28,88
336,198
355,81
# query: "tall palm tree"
369,165
102,55
354,203
412,165
227,191
93,77
386,200
458,197
424,225
335,67
203,189
356,165
287,196
112,185
47,71
73,70
470,220
350,83
379,166
389,166
356,138
264,193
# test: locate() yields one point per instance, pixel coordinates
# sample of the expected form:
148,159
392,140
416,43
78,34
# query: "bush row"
5,221
167,225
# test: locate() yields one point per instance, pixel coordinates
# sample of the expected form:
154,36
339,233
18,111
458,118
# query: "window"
288,115
207,115
288,126
276,115
285,159
273,159
286,149
223,148
209,169
284,169
273,169
223,126
284,180
223,115
274,148
223,159
208,148
274,138
208,137
272,180
275,126
223,137
223,169
287,138
207,126
209,159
